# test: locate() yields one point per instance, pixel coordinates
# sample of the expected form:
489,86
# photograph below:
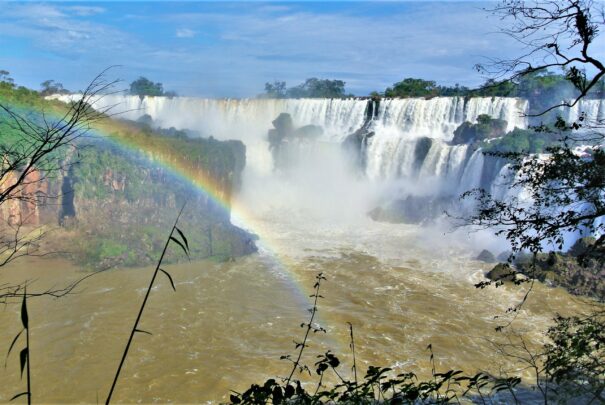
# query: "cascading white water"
438,117
403,123
389,154
593,110
398,126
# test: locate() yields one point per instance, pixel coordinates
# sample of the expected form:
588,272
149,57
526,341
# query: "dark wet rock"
356,143
283,123
422,149
285,140
557,269
486,256
502,272
411,210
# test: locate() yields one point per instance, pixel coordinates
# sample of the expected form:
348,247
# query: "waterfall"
593,110
438,117
398,124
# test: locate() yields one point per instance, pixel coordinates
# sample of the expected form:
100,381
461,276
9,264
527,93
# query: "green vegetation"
108,175
52,87
311,88
145,87
490,134
18,96
520,141
540,88
276,89
178,238
485,128
411,87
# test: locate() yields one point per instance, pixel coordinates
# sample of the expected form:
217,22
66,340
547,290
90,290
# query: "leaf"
24,318
278,395
289,391
175,240
183,237
18,395
11,346
23,359
143,331
234,399
169,278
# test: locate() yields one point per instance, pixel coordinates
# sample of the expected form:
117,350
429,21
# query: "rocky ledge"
581,270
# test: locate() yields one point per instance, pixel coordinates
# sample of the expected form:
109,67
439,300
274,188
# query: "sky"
230,49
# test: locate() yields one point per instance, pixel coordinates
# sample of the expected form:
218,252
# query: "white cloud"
241,48
85,11
185,33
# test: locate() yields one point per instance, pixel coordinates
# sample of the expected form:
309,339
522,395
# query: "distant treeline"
541,88
311,88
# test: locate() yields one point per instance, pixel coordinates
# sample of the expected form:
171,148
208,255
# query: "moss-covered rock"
485,128
124,203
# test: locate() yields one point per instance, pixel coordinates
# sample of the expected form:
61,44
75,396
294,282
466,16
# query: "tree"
5,78
51,87
34,150
276,89
555,34
567,189
318,88
145,87
411,87
564,190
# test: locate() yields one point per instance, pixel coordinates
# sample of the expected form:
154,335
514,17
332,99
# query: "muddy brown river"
227,324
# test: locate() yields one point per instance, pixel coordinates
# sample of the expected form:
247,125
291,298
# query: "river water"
402,287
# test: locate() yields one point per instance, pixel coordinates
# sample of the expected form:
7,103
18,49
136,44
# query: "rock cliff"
114,205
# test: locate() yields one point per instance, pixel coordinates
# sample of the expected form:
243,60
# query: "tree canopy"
145,87
311,88
411,87
49,87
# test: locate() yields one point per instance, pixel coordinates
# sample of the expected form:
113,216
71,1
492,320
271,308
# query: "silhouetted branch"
557,34
184,245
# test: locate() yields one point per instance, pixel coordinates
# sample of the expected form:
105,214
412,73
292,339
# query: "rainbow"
240,215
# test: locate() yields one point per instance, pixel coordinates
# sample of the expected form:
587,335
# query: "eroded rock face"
356,143
23,206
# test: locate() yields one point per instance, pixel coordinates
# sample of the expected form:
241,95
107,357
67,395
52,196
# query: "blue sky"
227,49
